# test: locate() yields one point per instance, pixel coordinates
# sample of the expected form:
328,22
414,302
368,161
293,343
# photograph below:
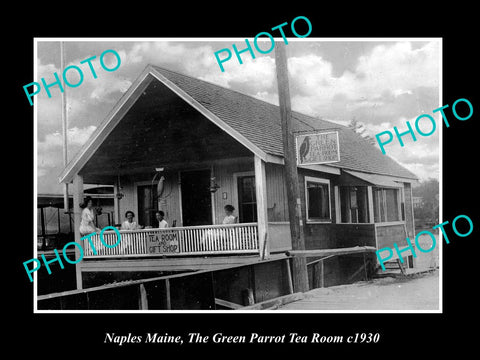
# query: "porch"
188,149
178,241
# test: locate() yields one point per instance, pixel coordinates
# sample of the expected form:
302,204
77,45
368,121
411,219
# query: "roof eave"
107,125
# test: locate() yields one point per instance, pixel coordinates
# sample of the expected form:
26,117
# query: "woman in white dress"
216,238
87,225
229,218
129,224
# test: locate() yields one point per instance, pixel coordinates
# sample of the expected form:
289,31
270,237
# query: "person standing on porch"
129,224
162,224
87,224
229,218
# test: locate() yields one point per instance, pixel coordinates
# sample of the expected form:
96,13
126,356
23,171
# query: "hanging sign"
317,148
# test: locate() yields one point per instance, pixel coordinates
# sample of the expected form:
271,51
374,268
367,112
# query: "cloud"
50,150
75,137
389,74
423,171
390,83
107,87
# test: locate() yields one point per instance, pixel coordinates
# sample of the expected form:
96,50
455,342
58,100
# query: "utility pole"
66,206
299,263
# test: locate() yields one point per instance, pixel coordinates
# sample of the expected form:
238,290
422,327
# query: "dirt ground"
416,292
419,292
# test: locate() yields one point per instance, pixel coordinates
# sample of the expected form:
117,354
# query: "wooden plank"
325,252
289,277
160,278
361,268
282,300
401,266
321,273
142,299
168,295
318,260
318,275
227,304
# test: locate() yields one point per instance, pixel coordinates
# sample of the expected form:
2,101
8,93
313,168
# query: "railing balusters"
252,237
193,244
234,238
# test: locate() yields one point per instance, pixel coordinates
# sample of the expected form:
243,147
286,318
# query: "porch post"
338,212
262,214
371,217
116,203
77,217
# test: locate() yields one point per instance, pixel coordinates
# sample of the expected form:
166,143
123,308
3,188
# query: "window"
247,201
386,205
354,204
317,192
402,202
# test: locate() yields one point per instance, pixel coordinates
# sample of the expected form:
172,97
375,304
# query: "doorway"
147,205
196,197
247,201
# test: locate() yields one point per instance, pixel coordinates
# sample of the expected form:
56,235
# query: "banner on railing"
163,242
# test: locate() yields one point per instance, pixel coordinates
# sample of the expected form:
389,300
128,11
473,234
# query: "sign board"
317,148
163,242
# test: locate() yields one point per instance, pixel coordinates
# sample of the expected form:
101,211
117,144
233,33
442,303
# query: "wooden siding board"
276,193
388,235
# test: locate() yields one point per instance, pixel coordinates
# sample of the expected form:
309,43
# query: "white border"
307,39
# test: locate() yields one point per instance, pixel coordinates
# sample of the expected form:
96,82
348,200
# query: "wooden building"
213,146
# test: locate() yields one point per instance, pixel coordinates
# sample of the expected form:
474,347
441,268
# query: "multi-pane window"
354,204
247,201
385,205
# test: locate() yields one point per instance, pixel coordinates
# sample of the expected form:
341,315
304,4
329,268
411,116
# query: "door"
196,198
147,205
247,200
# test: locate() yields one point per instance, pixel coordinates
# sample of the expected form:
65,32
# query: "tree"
428,190
361,130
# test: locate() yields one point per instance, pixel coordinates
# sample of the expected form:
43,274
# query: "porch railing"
191,240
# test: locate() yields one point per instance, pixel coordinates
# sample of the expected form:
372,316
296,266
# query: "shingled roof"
259,122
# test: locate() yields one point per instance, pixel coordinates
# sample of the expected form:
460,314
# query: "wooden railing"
192,240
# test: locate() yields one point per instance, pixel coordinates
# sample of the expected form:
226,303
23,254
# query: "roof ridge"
248,96
383,165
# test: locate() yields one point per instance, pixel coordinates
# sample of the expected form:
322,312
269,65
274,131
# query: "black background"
405,334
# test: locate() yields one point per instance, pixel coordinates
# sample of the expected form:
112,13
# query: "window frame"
235,201
338,204
384,204
318,180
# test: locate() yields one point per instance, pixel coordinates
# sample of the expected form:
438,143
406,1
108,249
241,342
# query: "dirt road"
416,293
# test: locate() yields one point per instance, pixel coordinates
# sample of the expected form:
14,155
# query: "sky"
378,83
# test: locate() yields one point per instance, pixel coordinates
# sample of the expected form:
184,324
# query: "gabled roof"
259,122
253,122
